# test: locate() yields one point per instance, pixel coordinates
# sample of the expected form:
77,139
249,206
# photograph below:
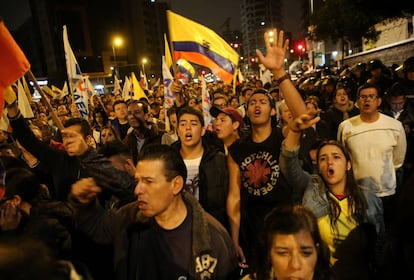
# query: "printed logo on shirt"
205,266
260,173
191,185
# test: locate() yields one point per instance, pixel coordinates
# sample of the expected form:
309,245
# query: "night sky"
14,12
211,13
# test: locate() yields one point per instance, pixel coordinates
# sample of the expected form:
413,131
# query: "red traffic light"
300,47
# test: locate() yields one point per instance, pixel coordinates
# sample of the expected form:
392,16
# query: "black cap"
408,65
374,64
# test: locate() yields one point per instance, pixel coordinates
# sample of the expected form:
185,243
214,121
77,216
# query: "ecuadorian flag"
198,44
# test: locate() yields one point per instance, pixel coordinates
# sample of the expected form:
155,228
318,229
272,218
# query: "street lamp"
144,61
117,42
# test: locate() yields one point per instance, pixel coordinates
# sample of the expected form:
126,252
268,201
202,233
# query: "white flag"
169,96
80,94
80,97
240,76
265,75
90,90
145,81
23,104
125,91
72,66
117,86
206,104
157,83
89,87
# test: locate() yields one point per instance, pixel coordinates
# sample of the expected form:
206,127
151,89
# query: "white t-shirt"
192,183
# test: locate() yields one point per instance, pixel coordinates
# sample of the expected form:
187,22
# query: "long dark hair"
290,219
357,203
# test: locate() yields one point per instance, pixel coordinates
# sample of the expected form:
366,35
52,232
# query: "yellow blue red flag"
201,45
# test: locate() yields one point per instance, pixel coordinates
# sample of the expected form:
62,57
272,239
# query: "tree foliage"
354,19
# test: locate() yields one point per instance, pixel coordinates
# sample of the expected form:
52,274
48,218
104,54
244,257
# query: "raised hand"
85,190
10,217
275,51
176,86
303,122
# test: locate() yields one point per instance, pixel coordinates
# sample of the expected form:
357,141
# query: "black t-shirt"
168,253
262,183
263,186
123,129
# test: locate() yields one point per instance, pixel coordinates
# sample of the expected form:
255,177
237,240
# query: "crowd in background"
41,169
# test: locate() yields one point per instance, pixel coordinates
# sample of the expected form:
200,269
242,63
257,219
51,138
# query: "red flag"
13,62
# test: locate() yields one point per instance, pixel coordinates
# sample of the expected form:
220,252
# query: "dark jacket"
122,132
117,191
333,117
151,136
64,169
110,226
406,117
49,221
213,181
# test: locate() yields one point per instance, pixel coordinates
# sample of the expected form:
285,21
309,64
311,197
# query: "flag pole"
101,103
45,100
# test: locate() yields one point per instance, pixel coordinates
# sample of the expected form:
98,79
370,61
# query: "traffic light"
203,72
300,47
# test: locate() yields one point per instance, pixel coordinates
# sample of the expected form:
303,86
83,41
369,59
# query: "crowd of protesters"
76,189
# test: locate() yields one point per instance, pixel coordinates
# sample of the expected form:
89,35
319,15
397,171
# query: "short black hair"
84,124
29,258
114,148
397,89
173,162
143,102
265,92
21,182
118,102
368,85
243,91
191,111
171,111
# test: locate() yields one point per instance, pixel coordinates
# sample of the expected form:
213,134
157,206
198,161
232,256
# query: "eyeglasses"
221,106
369,96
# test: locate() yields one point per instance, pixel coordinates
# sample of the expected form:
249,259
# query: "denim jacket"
311,190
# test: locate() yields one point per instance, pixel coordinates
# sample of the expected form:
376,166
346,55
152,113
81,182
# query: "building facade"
257,16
